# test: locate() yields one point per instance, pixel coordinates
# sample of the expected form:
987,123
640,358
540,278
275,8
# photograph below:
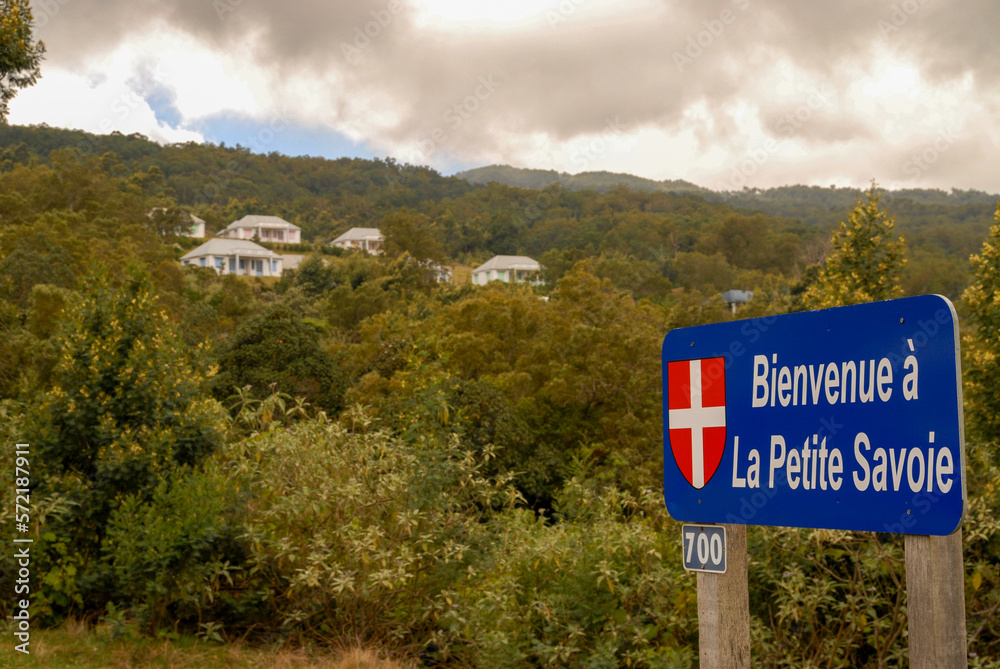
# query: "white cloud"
98,105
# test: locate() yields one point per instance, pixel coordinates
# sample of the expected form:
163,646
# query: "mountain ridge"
600,181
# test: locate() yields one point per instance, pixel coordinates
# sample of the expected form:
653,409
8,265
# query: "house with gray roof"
366,239
509,269
235,256
197,228
267,229
192,226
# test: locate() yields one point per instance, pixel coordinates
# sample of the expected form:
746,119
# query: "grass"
75,645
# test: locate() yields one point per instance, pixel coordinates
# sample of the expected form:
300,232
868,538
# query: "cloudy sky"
724,93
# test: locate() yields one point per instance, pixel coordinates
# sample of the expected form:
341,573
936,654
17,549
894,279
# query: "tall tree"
982,300
128,405
276,351
19,55
867,259
416,234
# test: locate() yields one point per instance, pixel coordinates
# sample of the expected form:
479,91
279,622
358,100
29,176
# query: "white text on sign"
814,466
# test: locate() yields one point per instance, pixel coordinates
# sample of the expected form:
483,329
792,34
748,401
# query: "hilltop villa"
267,229
235,256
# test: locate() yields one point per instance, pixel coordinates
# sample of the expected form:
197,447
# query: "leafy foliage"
359,536
828,598
415,234
19,55
34,260
866,261
598,181
126,408
595,589
276,351
982,300
170,553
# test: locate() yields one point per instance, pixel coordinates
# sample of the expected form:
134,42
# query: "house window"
243,265
220,264
274,267
201,261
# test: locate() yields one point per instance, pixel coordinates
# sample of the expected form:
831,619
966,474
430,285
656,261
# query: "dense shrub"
357,535
601,586
127,408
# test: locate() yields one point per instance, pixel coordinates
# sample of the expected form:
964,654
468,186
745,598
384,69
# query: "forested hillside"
598,181
464,475
677,234
941,228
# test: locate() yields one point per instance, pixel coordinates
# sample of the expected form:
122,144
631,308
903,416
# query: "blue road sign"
847,418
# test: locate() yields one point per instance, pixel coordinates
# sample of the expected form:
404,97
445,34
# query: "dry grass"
74,645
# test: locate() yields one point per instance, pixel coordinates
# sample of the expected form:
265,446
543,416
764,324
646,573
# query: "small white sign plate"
704,548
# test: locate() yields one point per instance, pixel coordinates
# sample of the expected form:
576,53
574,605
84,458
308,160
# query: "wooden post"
724,608
935,594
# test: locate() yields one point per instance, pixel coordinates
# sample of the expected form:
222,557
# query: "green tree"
19,55
367,285
128,406
35,260
543,381
641,278
169,220
711,274
313,275
416,234
866,262
276,351
982,300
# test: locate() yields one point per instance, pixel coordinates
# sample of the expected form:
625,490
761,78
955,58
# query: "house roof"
502,263
221,246
358,234
255,221
194,219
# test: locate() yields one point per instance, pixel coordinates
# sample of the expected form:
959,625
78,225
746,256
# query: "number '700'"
704,548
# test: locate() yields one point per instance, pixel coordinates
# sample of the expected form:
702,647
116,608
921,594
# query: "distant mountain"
816,205
601,182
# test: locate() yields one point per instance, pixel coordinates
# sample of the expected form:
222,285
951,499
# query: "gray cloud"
569,78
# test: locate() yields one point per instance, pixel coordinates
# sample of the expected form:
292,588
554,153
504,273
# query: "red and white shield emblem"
696,417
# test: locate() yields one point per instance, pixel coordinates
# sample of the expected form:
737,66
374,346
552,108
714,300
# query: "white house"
509,269
267,229
197,229
366,239
442,274
235,256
